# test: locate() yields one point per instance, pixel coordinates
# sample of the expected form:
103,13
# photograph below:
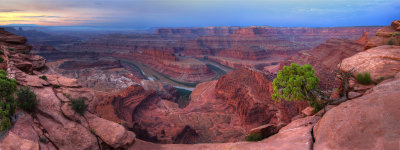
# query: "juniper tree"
296,83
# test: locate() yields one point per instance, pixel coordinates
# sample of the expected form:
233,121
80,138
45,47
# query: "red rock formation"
183,70
190,32
132,99
161,51
363,40
244,53
237,63
37,48
361,120
104,74
389,35
230,107
396,25
14,49
53,124
381,62
164,90
259,30
156,54
83,64
248,93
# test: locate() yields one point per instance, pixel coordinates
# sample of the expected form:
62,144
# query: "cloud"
11,20
42,16
156,13
76,20
9,10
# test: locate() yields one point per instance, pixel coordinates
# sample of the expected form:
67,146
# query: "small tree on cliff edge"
296,82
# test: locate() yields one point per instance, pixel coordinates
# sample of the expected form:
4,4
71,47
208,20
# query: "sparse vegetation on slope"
254,137
364,78
78,105
43,77
27,99
390,42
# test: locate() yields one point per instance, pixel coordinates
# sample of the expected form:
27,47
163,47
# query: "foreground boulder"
112,133
61,131
380,62
22,135
368,122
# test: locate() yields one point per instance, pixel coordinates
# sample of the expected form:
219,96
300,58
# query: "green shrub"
43,77
254,137
380,79
1,51
317,106
364,78
393,34
56,86
1,59
27,99
11,49
7,102
24,52
390,42
78,105
399,43
43,140
92,131
67,95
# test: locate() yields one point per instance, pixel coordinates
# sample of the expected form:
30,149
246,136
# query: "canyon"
133,83
185,57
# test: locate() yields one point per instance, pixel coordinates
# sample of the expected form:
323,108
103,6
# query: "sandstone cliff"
389,35
54,125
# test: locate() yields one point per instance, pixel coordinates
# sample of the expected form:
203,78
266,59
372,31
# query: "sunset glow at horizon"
192,13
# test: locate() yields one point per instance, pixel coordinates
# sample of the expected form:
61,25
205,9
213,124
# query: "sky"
199,13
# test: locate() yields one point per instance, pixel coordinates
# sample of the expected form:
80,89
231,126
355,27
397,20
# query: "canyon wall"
103,74
170,51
